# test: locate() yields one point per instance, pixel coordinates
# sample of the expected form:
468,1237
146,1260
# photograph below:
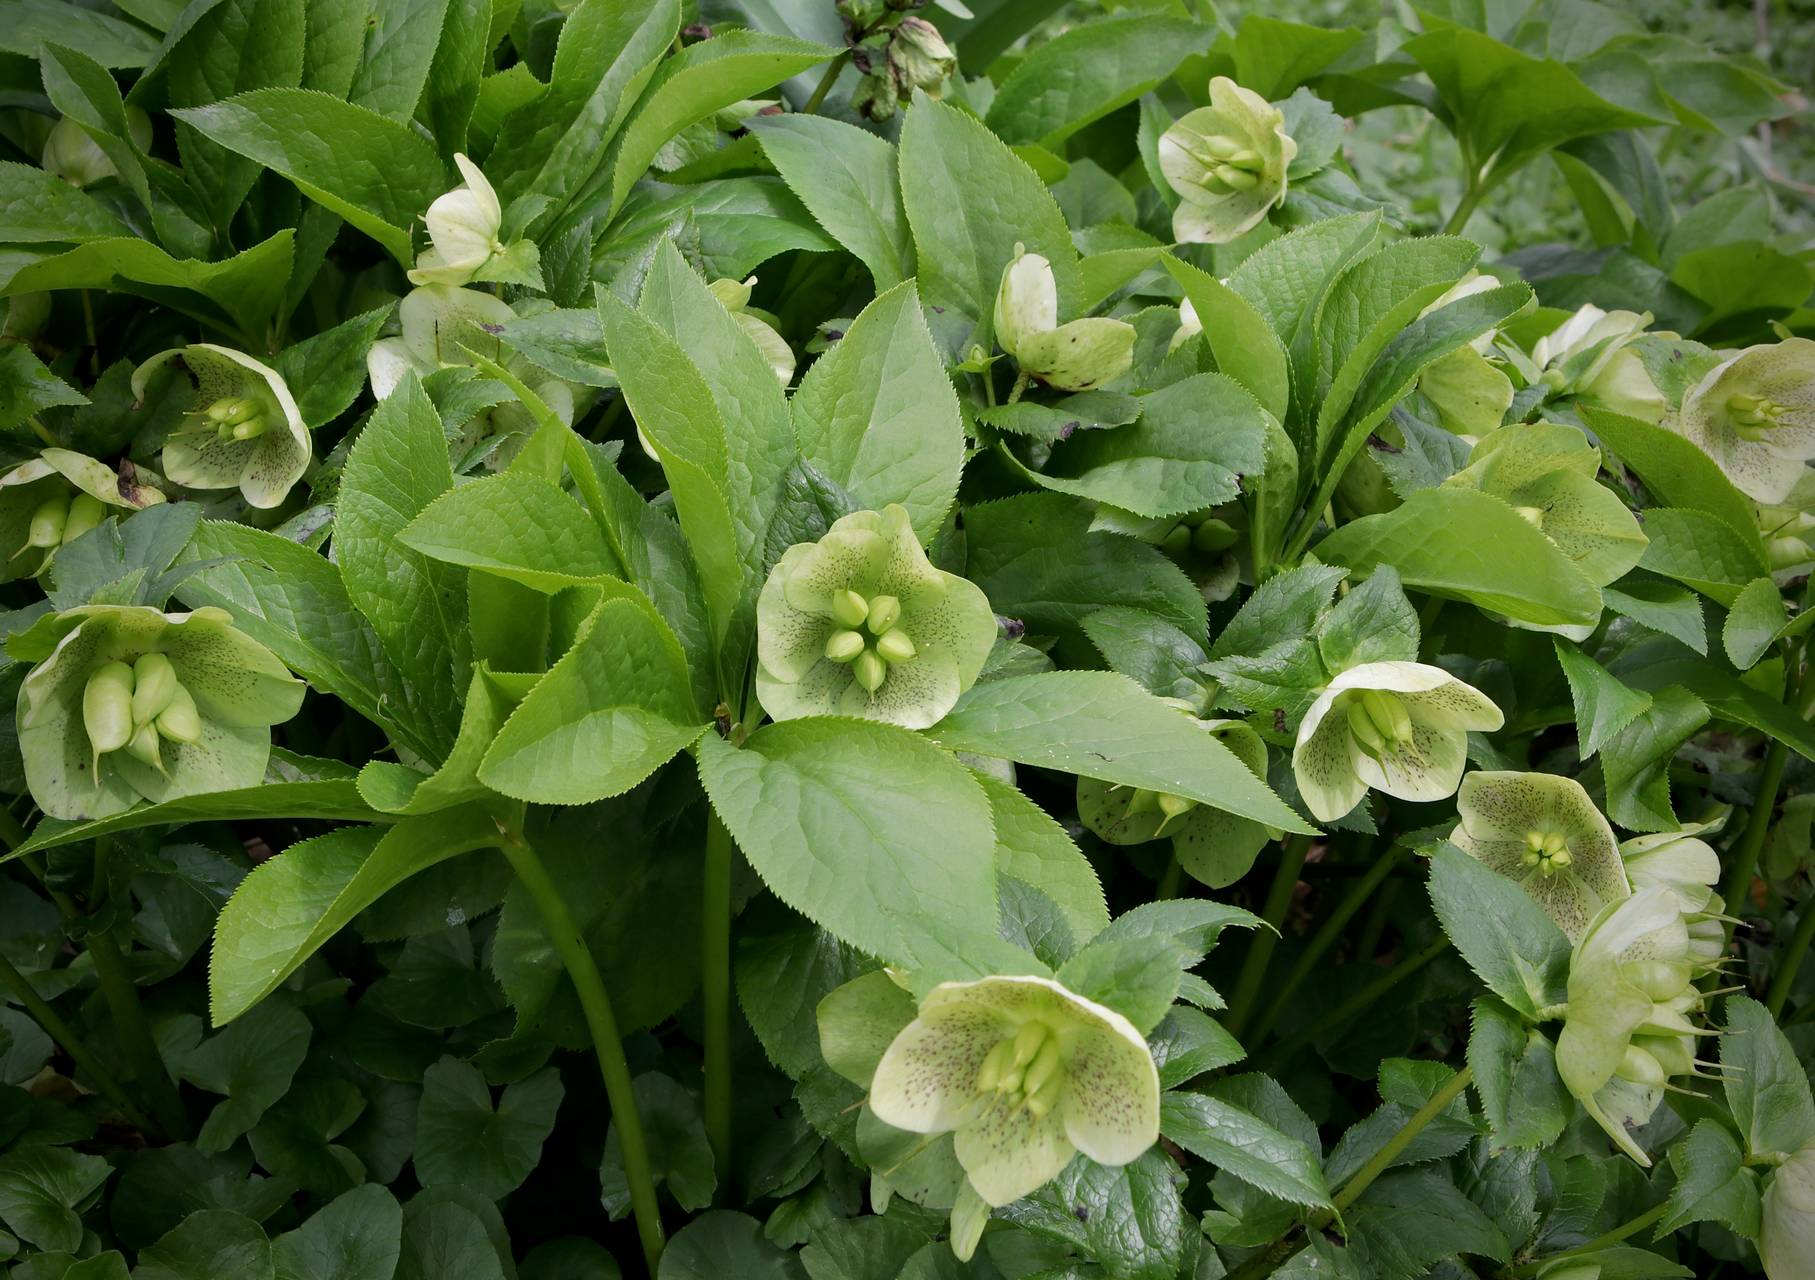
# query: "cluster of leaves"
961,603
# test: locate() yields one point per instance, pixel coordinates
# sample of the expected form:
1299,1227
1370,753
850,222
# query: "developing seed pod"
144,747
107,709
85,513
154,685
180,721
47,523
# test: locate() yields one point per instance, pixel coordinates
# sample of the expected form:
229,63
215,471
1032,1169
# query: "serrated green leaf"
1713,1185
848,180
1087,72
1506,937
1245,1146
1603,705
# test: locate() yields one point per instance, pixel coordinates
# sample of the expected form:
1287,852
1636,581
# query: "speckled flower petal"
1323,761
927,1078
1424,769
1498,810
1766,469
263,468
224,758
853,555
1111,1106
1080,355
1009,1152
916,695
1590,524
234,680
1103,809
790,641
1786,1240
440,323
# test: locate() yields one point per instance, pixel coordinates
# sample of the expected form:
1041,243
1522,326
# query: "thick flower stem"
1624,1231
715,986
134,1033
825,84
1260,947
1789,959
1326,936
1758,824
73,1044
614,1068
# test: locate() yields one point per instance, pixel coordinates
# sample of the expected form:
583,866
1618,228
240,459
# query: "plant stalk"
825,84
53,1025
1357,1003
614,1068
135,1036
1260,947
715,989
1789,960
1758,825
1624,1231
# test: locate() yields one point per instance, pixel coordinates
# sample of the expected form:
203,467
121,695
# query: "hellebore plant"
57,497
243,430
1074,356
1754,414
1544,832
1397,727
128,704
860,623
1227,163
1787,1239
1025,1074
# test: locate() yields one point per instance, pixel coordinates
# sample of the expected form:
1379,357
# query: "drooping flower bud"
1075,356
1228,163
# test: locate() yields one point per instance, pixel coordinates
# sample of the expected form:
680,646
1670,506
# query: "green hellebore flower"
1754,414
1213,845
463,227
1074,356
760,325
1026,1074
106,674
1397,727
74,156
1688,867
1227,162
54,499
920,59
1626,1028
1543,831
244,430
1546,472
860,623
1786,1239
1575,354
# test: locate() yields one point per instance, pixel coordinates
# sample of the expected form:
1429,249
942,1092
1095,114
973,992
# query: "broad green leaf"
969,201
292,904
417,606
831,813
1034,848
462,1138
40,1188
1767,1090
1701,551
720,1244
1245,1146
877,415
114,43
848,179
246,288
1755,620
1189,449
397,788
1728,697
1469,545
1085,73
1713,1185
327,372
27,387
1244,343
37,206
701,79
374,172
1272,56
212,1243
1676,472
1138,977
400,42
785,968
1411,1218
1515,1069
1635,764
517,526
680,1154
1129,1218
448,1237
1505,936
1188,1043
614,709
251,1062
1374,622
1101,725
462,57
1603,705
356,1236
1148,650
606,53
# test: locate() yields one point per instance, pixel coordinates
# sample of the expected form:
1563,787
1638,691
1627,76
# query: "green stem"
1622,1232
715,983
1356,1004
1789,960
1471,197
1171,878
614,1068
1367,944
134,1034
1325,938
1260,947
1020,386
73,1044
1758,825
826,81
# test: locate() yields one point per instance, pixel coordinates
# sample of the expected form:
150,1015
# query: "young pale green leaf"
517,526
400,44
416,605
1469,545
832,815
615,708
1713,1184
1604,706
372,171
877,415
1755,620
1505,936
701,79
1244,343
31,25
1138,977
1374,622
1085,73
288,907
1767,1090
1101,725
1245,1146
1701,551
849,180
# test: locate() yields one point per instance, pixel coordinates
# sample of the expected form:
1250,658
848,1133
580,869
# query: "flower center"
234,417
1023,1070
868,638
134,708
1547,852
1379,721
1754,416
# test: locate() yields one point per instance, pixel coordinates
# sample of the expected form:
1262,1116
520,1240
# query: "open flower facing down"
1027,1074
1216,847
127,703
1543,831
1688,867
74,156
1074,356
55,498
1627,1028
243,430
1754,414
1227,162
1786,1240
860,623
463,227
760,325
1397,727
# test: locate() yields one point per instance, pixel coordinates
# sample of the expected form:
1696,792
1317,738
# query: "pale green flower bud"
849,608
144,747
896,647
1228,163
48,521
919,58
844,646
75,157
